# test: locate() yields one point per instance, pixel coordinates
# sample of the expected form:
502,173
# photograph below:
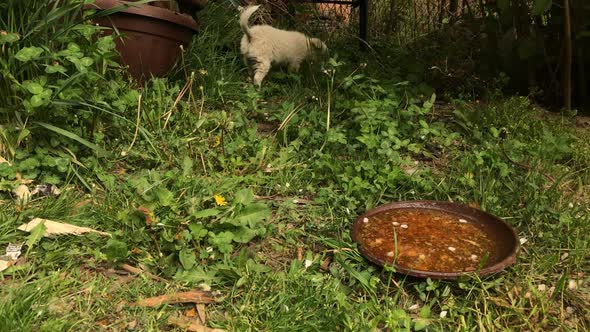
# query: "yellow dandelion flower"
219,200
217,141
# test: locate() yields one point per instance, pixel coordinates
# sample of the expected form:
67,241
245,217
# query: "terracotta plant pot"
151,36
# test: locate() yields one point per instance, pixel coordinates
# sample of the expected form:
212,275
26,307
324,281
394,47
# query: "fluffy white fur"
262,46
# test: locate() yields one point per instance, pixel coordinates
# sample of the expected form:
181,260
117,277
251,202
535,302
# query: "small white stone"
395,223
473,257
443,314
452,248
462,221
390,254
365,220
572,284
404,226
571,205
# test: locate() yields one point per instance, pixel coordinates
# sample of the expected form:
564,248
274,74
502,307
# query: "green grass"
292,184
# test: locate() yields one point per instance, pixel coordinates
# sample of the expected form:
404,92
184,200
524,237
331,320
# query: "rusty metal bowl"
498,231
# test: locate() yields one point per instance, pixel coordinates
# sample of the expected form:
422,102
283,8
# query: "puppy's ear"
318,44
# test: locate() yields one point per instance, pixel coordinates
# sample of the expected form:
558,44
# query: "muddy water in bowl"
426,240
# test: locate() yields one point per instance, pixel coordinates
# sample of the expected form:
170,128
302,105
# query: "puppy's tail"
244,19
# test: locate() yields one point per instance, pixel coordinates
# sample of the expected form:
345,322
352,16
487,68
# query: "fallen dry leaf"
182,297
191,313
201,311
4,264
2,161
135,270
132,325
22,194
147,214
191,325
58,228
299,253
326,264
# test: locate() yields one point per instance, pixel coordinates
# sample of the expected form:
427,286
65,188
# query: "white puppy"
263,45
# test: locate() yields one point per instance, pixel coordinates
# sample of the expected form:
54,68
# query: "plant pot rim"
149,11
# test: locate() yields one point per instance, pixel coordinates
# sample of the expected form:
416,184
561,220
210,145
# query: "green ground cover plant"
209,183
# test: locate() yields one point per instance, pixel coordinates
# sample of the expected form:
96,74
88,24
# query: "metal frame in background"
363,15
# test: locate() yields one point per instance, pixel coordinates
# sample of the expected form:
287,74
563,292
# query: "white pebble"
452,248
462,221
390,254
443,314
473,257
395,223
572,284
365,220
571,205
404,226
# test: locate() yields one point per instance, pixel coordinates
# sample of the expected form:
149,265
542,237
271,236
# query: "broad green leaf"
24,133
244,196
206,213
86,61
106,44
37,101
56,68
187,258
198,231
35,235
165,196
8,38
187,166
33,87
222,241
73,136
420,324
29,53
252,214
425,311
541,6
245,234
116,250
194,276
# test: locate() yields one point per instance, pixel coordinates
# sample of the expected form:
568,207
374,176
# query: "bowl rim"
128,7
441,206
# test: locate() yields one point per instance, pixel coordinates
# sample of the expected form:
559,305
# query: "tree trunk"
392,16
567,72
453,6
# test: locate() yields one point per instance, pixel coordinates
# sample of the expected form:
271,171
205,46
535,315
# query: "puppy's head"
318,45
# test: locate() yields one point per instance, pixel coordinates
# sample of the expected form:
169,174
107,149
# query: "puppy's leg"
248,64
260,71
295,66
